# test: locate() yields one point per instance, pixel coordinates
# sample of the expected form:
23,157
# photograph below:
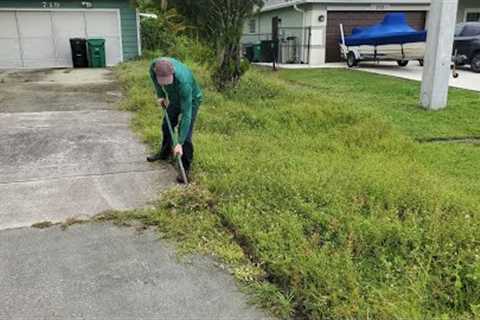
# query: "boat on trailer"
390,40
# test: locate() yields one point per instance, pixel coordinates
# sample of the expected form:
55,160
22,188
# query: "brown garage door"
352,19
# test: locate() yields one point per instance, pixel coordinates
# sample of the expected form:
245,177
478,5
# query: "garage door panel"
63,53
67,25
36,38
352,19
105,25
34,24
8,25
9,42
10,53
70,24
102,24
113,50
38,52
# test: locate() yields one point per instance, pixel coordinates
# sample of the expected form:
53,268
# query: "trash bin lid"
96,42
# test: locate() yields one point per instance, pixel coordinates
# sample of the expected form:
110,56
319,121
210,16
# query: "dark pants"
174,115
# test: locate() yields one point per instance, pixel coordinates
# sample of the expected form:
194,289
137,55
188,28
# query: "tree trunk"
164,4
228,72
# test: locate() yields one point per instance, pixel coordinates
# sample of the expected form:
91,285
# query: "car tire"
475,64
402,63
351,60
421,62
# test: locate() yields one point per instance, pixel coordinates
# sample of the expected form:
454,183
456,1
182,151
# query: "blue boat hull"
394,29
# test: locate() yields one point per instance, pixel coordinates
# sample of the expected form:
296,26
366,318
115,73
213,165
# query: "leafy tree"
161,33
220,23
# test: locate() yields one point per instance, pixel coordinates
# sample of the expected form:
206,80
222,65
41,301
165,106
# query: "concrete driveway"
467,80
66,152
99,271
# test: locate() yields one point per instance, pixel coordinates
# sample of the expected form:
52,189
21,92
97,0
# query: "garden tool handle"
174,140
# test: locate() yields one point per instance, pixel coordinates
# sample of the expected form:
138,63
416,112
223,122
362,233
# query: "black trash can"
269,50
79,52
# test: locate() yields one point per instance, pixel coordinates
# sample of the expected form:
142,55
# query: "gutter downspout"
296,8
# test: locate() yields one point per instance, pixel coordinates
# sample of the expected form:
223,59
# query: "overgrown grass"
339,212
397,101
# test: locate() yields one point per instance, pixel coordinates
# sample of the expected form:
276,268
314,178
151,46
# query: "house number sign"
50,4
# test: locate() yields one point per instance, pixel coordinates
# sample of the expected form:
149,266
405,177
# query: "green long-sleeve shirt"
183,93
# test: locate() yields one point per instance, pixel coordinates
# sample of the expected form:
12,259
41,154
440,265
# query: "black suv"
467,45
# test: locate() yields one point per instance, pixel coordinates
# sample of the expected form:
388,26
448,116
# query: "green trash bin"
257,52
249,52
96,53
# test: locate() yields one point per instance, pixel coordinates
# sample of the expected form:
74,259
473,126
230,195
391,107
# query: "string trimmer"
174,138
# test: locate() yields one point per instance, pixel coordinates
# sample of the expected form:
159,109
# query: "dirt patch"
22,76
74,77
475,140
58,90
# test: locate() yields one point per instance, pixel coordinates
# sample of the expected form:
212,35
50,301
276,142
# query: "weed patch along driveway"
336,189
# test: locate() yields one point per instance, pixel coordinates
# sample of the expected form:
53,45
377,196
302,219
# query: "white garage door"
40,39
9,41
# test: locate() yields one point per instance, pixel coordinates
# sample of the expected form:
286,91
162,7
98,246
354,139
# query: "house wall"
466,4
318,33
291,25
127,15
290,18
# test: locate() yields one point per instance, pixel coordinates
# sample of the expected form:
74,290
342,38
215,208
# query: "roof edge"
344,2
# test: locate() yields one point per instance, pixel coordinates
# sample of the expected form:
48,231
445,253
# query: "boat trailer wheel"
351,60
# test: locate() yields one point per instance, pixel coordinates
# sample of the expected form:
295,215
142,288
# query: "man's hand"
162,102
178,150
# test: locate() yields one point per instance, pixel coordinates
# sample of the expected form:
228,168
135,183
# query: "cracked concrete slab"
99,271
65,151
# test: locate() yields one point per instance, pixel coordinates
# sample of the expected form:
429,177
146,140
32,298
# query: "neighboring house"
35,34
468,11
309,30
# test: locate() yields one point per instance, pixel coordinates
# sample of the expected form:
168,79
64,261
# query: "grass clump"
318,178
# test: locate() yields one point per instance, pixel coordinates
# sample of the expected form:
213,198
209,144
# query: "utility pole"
438,55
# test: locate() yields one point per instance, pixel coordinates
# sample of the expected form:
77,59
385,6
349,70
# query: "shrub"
161,33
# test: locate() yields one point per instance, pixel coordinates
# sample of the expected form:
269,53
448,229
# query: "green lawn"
313,186
397,101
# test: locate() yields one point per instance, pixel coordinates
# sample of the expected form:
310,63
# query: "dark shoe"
157,157
180,178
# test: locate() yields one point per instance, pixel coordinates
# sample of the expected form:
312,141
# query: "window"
252,26
472,15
